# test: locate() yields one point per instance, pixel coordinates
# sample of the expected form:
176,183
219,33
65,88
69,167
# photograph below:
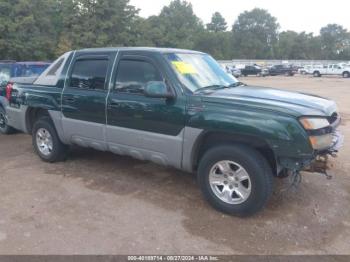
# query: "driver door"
141,126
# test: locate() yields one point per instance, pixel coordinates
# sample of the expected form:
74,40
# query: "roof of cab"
148,49
25,62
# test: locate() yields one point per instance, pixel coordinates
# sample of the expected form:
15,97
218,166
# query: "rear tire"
316,74
5,129
46,142
346,74
231,200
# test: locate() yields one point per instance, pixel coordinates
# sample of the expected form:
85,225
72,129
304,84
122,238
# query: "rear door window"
89,74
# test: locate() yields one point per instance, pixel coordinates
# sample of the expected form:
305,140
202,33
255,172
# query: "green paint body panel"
268,114
282,132
148,114
157,115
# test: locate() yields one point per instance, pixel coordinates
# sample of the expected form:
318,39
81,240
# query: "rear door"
84,99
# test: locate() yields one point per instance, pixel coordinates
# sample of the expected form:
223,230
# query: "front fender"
282,133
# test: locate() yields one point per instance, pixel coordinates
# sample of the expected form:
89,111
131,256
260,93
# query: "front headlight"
310,123
321,142
318,142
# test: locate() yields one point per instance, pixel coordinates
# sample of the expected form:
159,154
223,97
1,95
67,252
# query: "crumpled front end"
325,140
331,136
321,162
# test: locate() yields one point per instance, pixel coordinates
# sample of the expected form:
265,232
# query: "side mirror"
157,89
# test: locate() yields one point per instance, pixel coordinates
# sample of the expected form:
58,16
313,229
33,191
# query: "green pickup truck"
177,108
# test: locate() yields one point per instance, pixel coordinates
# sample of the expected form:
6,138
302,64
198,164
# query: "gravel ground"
99,203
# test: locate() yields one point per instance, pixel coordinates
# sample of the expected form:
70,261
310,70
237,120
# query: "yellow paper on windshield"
184,68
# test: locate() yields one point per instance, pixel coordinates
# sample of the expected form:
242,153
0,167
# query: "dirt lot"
99,203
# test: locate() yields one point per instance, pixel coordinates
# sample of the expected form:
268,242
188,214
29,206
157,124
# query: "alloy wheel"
230,182
44,141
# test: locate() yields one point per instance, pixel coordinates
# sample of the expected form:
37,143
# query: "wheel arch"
210,139
33,114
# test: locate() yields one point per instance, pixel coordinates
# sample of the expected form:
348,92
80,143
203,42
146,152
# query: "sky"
297,15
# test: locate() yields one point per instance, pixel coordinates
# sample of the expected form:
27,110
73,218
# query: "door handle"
69,99
113,105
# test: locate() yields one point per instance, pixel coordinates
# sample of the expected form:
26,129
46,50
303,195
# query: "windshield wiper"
211,87
217,87
236,84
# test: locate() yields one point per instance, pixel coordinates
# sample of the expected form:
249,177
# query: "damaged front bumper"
321,163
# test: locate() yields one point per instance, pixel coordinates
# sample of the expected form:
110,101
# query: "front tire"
346,74
5,129
235,179
46,142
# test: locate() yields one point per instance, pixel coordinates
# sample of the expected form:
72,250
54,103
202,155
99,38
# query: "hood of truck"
292,103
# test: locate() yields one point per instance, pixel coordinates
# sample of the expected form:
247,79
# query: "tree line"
44,29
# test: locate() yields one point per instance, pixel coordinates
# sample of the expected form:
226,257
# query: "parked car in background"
304,70
16,72
253,70
286,70
344,64
10,69
233,71
311,69
332,69
176,108
236,72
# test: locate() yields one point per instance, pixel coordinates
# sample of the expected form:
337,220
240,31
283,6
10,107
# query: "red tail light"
9,90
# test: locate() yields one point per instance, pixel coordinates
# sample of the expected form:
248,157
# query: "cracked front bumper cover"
337,143
321,162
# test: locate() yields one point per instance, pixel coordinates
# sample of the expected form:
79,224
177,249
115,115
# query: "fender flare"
249,140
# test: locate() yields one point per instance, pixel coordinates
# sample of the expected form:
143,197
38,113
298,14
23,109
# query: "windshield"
198,71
